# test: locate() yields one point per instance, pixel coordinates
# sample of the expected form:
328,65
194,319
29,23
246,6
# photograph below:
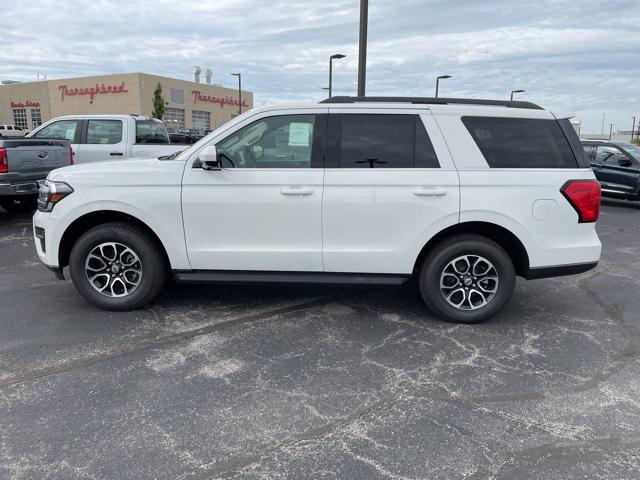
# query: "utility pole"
362,53
239,91
604,115
633,128
610,130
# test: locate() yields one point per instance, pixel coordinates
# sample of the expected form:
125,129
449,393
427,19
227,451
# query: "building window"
20,117
177,96
201,120
36,118
174,118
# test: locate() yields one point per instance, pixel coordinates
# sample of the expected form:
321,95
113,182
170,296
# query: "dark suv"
617,167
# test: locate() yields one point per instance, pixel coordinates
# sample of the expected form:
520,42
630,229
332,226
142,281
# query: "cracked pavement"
221,382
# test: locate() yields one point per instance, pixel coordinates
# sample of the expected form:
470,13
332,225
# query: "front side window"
151,131
632,149
64,129
521,142
284,141
104,132
610,155
381,141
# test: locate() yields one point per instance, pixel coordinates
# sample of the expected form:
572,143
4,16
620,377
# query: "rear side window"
151,131
380,141
104,132
521,142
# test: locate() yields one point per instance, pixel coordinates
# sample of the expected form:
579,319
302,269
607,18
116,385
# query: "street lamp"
336,56
604,115
239,91
515,91
441,77
362,47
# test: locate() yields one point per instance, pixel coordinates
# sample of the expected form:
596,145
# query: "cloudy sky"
578,56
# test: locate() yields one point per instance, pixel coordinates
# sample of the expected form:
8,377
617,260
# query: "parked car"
24,163
12,131
462,195
100,138
617,167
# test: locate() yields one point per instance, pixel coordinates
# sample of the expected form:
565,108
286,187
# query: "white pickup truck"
99,138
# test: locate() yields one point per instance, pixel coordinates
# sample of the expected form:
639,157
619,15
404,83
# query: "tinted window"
65,129
284,141
610,155
382,141
574,142
521,142
151,131
104,132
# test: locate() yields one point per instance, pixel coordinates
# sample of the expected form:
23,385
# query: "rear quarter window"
522,142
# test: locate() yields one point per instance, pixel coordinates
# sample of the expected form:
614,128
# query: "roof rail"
434,101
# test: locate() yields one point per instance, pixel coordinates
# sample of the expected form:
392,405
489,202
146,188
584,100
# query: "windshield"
632,149
151,131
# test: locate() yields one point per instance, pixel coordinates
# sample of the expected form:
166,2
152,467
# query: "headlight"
51,193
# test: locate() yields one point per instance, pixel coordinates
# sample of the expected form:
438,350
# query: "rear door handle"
429,192
296,191
116,154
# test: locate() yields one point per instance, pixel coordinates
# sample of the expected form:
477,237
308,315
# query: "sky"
578,56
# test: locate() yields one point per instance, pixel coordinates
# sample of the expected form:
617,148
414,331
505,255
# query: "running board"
238,277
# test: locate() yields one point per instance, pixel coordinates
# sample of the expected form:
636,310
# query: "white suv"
461,194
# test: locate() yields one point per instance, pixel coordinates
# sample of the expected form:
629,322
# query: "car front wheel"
118,266
467,279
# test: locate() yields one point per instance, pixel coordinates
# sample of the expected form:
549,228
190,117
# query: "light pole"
515,91
441,77
336,56
610,130
239,91
633,128
604,115
362,51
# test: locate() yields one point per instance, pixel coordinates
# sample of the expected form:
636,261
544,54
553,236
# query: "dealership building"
188,104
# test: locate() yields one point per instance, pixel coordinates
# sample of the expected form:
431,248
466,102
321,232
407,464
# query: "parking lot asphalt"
316,382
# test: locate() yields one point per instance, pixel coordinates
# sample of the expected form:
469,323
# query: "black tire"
153,266
441,258
21,204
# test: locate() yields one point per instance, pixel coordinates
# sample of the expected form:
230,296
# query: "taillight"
4,161
584,197
70,155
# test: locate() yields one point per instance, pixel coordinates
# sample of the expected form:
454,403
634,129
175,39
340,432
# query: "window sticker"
299,134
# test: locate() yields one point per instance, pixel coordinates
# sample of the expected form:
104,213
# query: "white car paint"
126,148
351,220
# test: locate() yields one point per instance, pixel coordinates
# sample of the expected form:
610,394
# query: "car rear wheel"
118,266
26,204
466,279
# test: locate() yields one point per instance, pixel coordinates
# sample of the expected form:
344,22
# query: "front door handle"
429,192
296,191
116,154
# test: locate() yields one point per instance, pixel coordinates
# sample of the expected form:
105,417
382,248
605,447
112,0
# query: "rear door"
389,186
102,140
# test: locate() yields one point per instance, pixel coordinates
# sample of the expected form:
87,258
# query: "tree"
158,103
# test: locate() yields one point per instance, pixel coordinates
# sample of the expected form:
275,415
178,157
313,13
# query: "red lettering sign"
91,92
25,104
222,101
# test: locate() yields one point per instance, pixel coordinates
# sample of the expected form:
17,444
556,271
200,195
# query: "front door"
615,170
67,129
262,210
386,190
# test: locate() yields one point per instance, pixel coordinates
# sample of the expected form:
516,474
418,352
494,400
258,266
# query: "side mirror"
625,162
209,158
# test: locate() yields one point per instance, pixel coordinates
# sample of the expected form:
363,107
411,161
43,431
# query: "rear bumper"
559,270
15,189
